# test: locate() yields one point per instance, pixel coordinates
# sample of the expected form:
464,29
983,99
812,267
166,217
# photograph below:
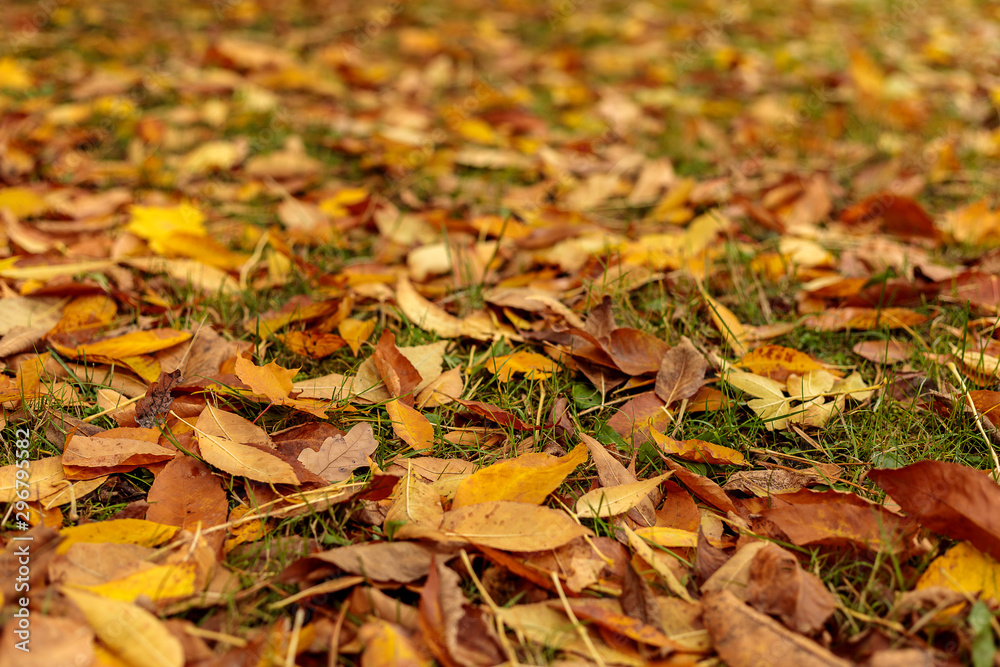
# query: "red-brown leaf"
951,499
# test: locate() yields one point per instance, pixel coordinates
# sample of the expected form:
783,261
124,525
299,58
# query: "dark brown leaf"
156,403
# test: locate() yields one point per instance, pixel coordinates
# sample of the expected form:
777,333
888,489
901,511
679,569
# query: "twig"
580,629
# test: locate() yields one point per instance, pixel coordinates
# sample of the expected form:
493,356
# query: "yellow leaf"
409,425
531,364
615,500
965,569
22,202
132,634
122,347
668,537
206,278
336,205
244,460
477,131
653,557
777,362
271,380
355,332
513,526
248,531
756,385
163,582
42,477
425,314
117,531
386,643
732,330
14,76
529,478
157,224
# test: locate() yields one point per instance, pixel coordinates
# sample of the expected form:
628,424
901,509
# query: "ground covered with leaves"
480,333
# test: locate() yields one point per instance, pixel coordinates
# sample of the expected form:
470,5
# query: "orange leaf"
697,450
531,364
777,362
355,332
410,426
271,380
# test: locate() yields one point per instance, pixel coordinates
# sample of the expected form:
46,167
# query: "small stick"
582,631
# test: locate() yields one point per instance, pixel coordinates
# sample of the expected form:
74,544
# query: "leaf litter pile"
499,333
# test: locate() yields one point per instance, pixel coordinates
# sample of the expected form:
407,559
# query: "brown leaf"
455,630
708,557
495,414
702,487
780,587
186,493
642,411
397,372
157,400
601,321
864,319
884,351
901,216
951,499
682,372
89,457
764,483
400,562
636,352
338,456
841,521
744,637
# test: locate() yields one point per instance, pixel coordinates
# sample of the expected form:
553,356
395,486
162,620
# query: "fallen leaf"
245,460
512,526
616,500
682,372
697,450
780,587
386,643
134,636
339,456
356,332
529,364
271,380
529,478
864,319
410,426
744,637
948,498
118,531
185,494
777,362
